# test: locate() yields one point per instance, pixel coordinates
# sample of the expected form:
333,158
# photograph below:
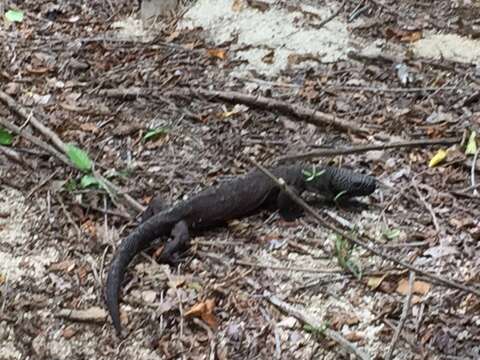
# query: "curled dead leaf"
204,310
217,53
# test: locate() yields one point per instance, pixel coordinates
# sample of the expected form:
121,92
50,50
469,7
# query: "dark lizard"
229,200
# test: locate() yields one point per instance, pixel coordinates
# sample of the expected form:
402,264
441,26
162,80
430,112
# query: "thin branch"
403,319
427,206
365,148
301,113
316,324
331,17
363,244
289,268
472,172
22,113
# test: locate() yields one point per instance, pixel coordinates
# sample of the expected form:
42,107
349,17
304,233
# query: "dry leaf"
419,287
217,53
63,266
90,228
204,311
375,281
237,5
89,127
411,36
354,336
69,332
438,158
269,57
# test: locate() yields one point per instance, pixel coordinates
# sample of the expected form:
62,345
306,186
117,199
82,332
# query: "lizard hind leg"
179,243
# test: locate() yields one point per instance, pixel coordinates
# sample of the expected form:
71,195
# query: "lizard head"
336,183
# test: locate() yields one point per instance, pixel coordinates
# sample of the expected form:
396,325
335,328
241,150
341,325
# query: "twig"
427,206
437,278
331,17
34,140
41,184
315,323
393,90
289,268
472,172
10,102
403,319
302,113
14,156
21,112
365,148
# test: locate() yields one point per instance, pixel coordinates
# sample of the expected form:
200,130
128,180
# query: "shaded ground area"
73,68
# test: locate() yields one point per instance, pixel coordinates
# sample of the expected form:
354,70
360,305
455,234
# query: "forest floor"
142,104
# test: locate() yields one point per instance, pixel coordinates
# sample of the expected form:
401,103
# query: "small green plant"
155,133
6,138
82,162
79,158
391,234
315,330
343,252
339,195
312,175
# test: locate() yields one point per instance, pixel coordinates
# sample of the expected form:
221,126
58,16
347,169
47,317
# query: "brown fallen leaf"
217,53
69,332
419,287
65,266
204,311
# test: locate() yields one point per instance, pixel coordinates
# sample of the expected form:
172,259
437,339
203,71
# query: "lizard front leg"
179,243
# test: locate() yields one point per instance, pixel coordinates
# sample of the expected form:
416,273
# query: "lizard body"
229,200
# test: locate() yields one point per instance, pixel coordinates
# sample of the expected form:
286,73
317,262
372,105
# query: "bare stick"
302,113
315,323
403,319
331,17
365,148
21,112
472,172
34,140
12,105
437,278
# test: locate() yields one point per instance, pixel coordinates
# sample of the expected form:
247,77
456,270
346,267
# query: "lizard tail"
137,241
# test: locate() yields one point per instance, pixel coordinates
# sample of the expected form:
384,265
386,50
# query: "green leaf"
155,133
89,180
70,185
312,175
14,15
391,234
339,195
354,268
6,138
317,330
472,144
79,158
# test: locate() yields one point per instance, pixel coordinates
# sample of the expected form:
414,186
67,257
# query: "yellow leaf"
472,144
438,158
375,281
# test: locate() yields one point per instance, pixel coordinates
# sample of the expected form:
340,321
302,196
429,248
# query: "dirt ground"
141,105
